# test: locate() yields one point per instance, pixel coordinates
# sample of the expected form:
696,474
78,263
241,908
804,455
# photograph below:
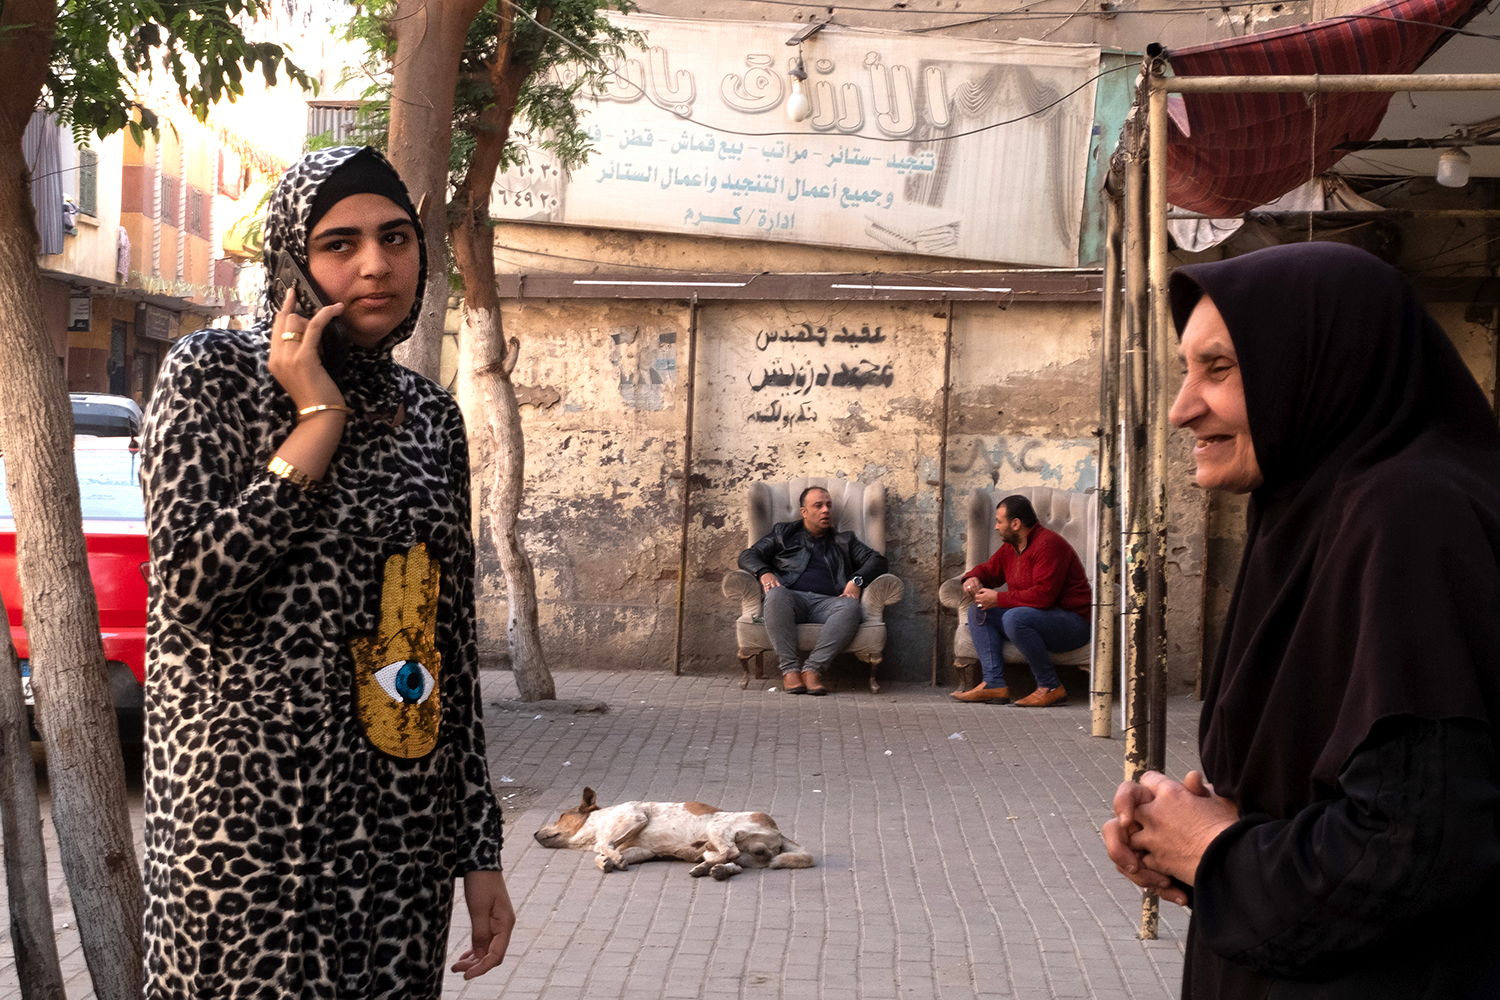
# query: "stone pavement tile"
950,868
716,983
524,985
1070,988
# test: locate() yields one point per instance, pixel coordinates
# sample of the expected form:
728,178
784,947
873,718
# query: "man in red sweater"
1045,606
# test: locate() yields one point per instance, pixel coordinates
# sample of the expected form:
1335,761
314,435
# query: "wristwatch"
859,582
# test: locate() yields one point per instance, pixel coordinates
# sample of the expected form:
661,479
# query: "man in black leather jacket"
811,574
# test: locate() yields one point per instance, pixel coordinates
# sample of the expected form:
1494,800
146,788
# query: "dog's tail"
792,855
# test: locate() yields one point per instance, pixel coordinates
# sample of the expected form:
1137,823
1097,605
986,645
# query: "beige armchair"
1075,516
857,507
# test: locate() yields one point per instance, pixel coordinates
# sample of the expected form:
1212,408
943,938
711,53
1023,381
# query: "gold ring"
291,335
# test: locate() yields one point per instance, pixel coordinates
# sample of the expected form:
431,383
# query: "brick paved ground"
948,865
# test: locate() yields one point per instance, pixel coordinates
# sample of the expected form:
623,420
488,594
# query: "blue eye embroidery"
406,681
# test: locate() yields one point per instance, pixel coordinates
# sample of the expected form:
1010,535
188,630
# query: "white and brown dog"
631,832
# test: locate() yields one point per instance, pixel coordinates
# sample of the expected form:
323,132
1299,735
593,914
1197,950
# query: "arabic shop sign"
904,149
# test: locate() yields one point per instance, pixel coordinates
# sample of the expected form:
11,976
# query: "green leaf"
572,52
99,46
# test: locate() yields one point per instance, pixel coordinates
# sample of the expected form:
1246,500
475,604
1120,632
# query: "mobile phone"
334,345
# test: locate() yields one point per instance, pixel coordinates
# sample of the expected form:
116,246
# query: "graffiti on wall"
809,376
787,389
982,461
646,363
806,333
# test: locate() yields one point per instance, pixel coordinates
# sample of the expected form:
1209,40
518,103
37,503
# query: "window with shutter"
169,201
195,212
88,182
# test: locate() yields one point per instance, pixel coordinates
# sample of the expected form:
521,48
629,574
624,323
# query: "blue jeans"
1034,631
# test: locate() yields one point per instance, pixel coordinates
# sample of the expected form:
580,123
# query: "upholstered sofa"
1075,516
857,507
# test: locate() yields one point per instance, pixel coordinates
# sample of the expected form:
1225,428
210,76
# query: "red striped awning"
1229,153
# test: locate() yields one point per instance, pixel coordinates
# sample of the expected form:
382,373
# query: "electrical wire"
1079,10
1420,24
1466,244
1391,169
592,260
844,135
958,135
1026,12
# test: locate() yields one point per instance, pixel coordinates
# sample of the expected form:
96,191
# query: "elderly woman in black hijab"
316,776
1342,839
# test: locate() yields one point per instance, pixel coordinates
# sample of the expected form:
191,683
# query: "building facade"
131,243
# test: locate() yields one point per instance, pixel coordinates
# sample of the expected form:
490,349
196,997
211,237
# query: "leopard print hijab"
373,384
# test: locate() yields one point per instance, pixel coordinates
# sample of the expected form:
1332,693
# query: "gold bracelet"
286,470
308,411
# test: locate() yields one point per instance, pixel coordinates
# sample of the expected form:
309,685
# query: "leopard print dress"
307,807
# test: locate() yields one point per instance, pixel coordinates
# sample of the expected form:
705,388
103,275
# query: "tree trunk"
73,707
486,360
423,351
25,859
429,42
498,452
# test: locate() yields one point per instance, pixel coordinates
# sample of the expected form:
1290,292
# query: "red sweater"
1047,575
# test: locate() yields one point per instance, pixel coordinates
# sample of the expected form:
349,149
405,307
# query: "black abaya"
1351,712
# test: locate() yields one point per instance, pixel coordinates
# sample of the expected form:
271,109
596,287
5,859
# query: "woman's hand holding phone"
297,361
297,364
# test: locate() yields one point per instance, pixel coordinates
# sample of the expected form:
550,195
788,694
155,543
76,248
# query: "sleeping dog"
631,832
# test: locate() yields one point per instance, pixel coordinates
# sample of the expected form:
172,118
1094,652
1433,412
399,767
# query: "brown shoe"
1043,697
814,683
792,682
981,693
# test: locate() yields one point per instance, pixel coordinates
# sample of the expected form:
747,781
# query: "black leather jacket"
785,552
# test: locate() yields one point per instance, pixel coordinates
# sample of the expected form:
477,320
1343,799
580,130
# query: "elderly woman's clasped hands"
1161,828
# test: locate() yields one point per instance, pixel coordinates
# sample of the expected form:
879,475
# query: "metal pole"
1346,215
1152,714
1159,362
1495,392
1132,398
942,491
1137,650
1151,664
1106,648
1378,83
688,386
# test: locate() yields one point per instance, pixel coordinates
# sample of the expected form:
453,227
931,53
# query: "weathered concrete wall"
850,390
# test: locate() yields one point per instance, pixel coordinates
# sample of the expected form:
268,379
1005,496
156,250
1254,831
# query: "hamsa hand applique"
396,670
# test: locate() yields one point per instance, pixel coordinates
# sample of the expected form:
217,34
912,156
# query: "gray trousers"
784,609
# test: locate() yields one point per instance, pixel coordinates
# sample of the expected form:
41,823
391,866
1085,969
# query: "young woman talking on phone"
315,778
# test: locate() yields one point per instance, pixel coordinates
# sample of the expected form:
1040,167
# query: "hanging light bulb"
1453,167
798,107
